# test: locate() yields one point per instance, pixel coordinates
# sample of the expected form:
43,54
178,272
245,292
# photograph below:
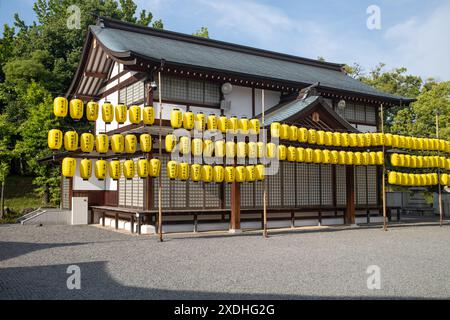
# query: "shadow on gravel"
10,250
50,282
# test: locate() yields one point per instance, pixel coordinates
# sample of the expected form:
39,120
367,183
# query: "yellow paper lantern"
207,173
170,142
107,112
240,174
148,115
301,155
128,169
326,156
145,142
222,124
243,125
55,139
60,107
188,120
101,143
92,111
134,114
200,122
317,156
320,138
87,142
291,153
76,109
117,143
115,170
345,139
284,131
282,152
219,148
100,169
218,174
154,167
230,174
121,113
250,173
312,136
68,167
197,147
208,148
293,133
176,118
328,138
233,124
336,139
172,169
130,143
309,155
211,123
271,150
254,126
71,141
183,171
196,172
275,129
185,145
260,172
353,140
302,135
142,168
252,150
230,149
241,149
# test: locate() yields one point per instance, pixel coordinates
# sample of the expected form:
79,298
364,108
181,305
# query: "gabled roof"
129,42
299,112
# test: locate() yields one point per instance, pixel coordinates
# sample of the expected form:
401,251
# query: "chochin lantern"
148,115
85,169
92,111
87,142
55,139
60,107
68,167
100,169
76,109
107,112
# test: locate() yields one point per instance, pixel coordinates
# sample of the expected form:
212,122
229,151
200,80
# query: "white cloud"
422,44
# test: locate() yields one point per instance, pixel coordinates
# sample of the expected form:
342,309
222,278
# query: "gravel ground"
414,262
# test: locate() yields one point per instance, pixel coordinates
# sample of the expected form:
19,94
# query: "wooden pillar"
235,217
350,187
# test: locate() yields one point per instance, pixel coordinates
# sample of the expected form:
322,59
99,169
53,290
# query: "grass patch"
19,195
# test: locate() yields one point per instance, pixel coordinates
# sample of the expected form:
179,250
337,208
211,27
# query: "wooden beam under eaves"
95,75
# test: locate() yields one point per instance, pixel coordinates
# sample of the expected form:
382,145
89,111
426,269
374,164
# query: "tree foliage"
202,32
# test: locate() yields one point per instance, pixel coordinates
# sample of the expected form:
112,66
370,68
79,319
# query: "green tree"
4,170
202,32
420,118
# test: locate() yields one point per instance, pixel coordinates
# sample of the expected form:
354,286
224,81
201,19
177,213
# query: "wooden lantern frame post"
441,215
383,177
160,159
265,235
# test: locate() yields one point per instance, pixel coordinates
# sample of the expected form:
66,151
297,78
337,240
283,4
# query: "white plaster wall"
241,102
92,184
271,99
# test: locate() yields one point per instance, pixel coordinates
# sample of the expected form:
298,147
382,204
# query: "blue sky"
413,33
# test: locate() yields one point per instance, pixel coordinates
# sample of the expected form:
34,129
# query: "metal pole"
264,158
383,180
160,158
439,174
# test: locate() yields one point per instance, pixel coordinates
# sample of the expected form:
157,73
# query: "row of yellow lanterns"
339,139
143,168
200,122
418,180
120,112
411,161
101,142
207,173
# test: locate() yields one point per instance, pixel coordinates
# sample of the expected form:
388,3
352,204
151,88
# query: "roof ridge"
131,27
